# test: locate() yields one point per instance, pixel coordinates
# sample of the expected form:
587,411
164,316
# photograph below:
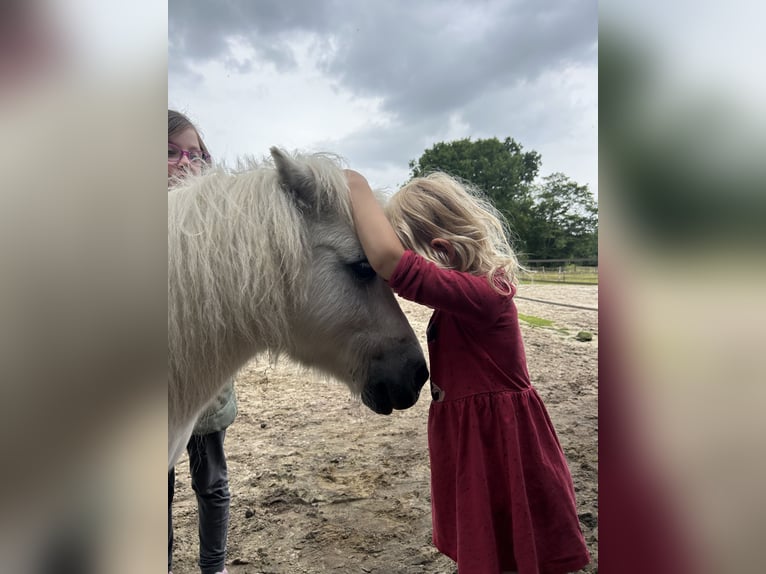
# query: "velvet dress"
501,491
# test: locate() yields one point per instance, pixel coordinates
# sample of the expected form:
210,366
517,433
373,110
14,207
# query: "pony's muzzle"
386,390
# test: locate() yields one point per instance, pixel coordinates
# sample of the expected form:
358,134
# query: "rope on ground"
559,304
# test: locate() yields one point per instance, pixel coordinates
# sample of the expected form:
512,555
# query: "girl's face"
187,141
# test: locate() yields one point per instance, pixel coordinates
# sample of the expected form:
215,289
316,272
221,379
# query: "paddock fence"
574,271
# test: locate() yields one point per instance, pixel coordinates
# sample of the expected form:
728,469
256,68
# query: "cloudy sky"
380,81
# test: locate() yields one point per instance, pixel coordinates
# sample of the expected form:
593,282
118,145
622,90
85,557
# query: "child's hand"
351,174
357,183
378,239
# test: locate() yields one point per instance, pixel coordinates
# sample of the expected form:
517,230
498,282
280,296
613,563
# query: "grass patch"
535,321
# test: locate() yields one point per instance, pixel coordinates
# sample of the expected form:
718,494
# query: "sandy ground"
321,484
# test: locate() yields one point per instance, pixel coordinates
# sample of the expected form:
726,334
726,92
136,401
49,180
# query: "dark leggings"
210,482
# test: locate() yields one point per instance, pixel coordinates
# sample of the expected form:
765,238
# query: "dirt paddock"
321,484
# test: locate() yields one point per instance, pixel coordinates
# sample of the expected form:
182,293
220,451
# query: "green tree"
555,219
501,169
565,220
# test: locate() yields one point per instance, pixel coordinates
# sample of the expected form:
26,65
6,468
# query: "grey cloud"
201,30
395,144
419,57
479,60
522,112
425,68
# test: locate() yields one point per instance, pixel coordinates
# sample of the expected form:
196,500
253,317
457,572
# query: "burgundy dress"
501,492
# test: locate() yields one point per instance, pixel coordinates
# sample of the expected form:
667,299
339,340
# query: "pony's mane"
237,242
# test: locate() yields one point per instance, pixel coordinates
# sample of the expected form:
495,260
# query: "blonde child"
501,492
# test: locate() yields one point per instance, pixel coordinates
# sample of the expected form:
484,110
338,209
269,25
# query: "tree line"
552,218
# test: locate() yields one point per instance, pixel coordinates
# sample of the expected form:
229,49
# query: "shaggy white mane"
237,241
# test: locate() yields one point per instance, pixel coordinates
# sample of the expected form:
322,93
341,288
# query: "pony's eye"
362,269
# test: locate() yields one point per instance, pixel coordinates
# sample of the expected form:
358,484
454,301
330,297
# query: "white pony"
266,259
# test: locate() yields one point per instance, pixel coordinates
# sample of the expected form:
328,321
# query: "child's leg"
211,485
171,489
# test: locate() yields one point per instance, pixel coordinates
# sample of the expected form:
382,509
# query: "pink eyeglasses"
175,154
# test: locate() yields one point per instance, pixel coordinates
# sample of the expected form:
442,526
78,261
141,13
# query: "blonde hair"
439,206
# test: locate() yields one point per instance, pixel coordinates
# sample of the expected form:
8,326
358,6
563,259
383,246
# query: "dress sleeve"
419,280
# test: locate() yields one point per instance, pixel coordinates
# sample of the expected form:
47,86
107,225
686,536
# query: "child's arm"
378,238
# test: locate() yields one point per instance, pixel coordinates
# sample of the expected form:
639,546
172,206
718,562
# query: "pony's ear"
295,177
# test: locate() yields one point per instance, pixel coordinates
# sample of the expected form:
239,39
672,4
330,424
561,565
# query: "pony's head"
345,319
